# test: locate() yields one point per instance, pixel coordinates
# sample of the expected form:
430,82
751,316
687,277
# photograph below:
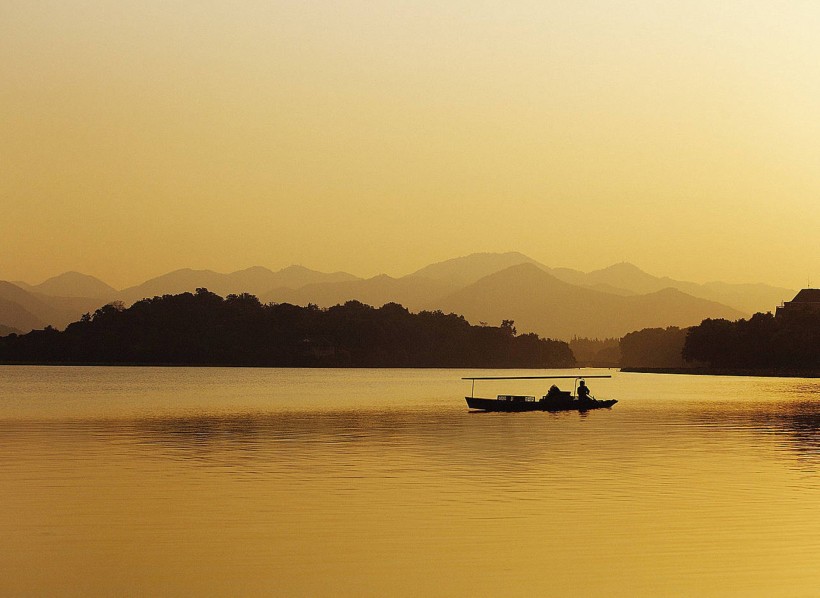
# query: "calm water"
157,481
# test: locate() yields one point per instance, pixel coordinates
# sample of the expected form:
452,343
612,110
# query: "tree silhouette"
202,328
763,342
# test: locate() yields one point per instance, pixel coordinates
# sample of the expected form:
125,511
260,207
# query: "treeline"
202,328
595,352
763,342
654,348
4,330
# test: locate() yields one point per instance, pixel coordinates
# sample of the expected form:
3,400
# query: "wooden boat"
518,403
554,400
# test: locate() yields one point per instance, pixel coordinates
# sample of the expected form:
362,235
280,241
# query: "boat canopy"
531,377
576,378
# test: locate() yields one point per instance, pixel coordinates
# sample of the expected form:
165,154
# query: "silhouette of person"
583,391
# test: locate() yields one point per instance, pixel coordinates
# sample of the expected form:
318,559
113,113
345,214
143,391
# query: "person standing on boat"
583,391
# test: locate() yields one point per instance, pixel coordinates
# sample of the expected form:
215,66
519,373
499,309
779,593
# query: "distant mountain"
628,276
462,271
21,309
626,279
750,298
5,330
296,277
582,279
73,284
16,317
256,280
24,310
178,281
540,302
415,293
622,279
443,285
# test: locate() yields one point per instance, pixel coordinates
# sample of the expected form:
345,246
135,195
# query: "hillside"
542,303
625,278
414,293
63,298
622,279
256,280
462,271
15,317
25,310
205,329
74,284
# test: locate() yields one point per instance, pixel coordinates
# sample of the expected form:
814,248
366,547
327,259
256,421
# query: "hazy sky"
141,137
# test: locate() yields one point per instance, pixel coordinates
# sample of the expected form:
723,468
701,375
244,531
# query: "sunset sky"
141,137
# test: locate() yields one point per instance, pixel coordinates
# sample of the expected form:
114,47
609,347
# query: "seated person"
583,391
554,392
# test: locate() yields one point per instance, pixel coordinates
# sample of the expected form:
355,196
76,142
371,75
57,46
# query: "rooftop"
807,296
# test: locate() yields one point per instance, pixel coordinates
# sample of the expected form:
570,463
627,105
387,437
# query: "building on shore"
806,301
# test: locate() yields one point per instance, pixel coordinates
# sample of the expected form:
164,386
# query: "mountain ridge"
428,288
74,284
256,280
542,303
25,310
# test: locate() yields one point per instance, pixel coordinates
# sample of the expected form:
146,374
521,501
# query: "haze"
140,137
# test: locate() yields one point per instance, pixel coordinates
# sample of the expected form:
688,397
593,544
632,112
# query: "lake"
292,482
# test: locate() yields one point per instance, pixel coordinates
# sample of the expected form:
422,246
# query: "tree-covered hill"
763,345
654,348
202,328
763,342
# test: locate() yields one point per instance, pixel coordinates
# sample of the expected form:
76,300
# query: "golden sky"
141,137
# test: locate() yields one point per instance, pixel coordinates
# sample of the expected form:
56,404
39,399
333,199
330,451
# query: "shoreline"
725,372
630,370
294,367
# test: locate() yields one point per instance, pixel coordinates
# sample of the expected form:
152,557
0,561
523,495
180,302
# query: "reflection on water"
131,480
799,422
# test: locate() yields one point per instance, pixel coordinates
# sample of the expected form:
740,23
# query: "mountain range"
484,287
256,280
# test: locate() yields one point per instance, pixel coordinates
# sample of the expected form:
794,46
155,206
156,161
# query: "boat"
554,400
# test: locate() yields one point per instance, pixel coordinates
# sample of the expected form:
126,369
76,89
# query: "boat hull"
542,405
